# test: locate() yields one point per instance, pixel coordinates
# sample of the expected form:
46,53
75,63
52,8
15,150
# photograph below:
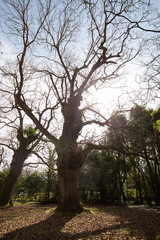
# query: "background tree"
133,162
30,186
17,136
51,186
156,126
114,165
143,141
21,153
89,178
34,184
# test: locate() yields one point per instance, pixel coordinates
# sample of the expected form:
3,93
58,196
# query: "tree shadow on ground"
129,224
138,221
52,229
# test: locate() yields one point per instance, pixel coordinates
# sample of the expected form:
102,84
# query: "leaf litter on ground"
40,222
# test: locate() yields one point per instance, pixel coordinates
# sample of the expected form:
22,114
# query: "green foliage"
154,112
3,174
157,236
19,189
34,183
51,186
48,211
157,125
89,179
29,186
102,177
29,131
113,170
122,178
140,129
156,119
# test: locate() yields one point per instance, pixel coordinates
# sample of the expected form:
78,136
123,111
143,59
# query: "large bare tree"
66,50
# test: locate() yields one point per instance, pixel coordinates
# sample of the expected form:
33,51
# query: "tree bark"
69,195
69,158
15,171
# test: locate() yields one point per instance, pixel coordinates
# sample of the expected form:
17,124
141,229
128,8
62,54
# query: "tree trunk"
70,158
69,195
15,171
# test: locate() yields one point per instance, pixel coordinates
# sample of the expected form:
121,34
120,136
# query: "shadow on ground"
130,223
51,229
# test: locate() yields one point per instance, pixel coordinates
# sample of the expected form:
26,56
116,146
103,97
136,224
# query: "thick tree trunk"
69,195
70,158
15,171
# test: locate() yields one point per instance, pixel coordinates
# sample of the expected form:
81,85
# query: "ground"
39,222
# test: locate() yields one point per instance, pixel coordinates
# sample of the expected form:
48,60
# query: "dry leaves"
29,222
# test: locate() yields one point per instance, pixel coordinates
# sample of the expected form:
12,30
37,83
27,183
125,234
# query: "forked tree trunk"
69,195
15,171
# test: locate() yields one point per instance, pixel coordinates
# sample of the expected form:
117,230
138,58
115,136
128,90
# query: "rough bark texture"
69,190
15,171
69,165
69,158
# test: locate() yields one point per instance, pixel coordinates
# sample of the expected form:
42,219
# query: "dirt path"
35,222
145,208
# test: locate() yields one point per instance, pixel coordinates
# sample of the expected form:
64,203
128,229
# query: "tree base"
70,210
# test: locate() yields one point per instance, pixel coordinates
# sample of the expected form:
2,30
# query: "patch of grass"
157,236
127,231
111,210
19,202
102,208
91,210
50,210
